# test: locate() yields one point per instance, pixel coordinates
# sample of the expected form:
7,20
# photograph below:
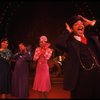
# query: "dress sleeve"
36,54
48,53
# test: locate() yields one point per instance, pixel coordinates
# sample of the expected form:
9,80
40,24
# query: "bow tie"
84,40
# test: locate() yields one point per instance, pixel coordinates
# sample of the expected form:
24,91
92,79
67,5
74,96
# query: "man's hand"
88,22
68,28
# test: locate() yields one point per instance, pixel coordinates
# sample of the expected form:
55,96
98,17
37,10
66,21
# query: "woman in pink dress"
42,54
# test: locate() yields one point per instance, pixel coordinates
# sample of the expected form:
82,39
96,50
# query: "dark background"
28,20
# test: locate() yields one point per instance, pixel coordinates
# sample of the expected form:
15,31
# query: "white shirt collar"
78,37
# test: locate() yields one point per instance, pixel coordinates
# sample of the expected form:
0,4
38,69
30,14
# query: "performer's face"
22,47
42,43
78,28
4,44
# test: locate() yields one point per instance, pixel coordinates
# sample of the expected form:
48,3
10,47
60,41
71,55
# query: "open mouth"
80,28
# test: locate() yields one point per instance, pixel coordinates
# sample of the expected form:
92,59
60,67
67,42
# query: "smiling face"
78,28
42,44
4,44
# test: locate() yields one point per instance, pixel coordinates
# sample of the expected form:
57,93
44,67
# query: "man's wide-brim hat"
73,20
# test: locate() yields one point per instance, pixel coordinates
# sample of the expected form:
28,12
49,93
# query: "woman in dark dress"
5,68
20,76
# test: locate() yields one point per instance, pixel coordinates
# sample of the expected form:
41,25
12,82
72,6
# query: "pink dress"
42,77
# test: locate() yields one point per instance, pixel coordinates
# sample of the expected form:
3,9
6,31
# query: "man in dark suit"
81,68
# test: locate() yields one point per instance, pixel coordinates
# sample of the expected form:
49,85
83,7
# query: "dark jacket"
72,65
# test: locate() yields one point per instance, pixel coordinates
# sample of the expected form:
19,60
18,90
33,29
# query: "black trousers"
88,84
